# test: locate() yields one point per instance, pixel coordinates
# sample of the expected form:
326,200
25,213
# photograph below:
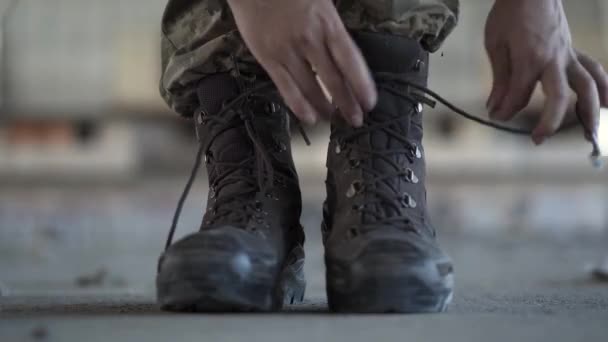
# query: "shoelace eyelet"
353,163
408,201
358,207
411,176
279,182
272,107
207,157
202,118
416,152
354,189
280,146
339,147
353,233
271,196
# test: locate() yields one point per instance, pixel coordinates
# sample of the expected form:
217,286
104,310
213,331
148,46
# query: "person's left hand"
529,41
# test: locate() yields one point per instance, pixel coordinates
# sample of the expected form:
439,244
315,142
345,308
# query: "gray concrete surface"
307,327
79,266
509,289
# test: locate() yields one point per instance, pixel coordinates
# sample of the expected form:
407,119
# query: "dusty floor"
81,275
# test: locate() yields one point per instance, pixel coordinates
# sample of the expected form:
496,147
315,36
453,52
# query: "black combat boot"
248,253
380,249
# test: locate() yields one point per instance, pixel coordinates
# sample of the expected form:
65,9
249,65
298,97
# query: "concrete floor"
508,290
95,283
128,319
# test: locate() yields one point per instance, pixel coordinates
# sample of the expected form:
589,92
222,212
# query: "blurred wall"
99,60
80,57
77,57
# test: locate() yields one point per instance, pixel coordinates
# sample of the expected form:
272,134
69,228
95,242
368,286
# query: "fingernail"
501,115
494,112
311,119
329,111
371,101
538,139
356,120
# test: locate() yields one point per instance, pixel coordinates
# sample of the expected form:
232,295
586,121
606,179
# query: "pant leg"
426,21
200,38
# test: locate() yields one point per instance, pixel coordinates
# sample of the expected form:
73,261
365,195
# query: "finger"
522,82
352,65
341,93
302,73
588,102
291,93
499,60
555,87
599,74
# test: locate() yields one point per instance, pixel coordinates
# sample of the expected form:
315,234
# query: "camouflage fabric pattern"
427,21
199,37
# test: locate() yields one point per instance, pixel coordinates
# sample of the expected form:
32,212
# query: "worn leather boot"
380,249
248,254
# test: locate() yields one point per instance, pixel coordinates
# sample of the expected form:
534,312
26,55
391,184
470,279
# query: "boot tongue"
214,90
235,145
228,146
232,146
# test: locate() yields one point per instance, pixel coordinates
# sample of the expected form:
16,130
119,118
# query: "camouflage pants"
199,37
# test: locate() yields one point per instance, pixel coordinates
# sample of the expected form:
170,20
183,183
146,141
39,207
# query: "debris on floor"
600,272
101,278
40,333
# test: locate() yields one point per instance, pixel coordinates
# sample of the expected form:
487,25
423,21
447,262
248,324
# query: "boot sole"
398,291
205,284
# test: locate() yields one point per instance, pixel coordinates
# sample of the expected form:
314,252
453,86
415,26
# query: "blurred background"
92,161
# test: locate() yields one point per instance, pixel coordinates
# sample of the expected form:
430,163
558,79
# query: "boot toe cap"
389,275
221,270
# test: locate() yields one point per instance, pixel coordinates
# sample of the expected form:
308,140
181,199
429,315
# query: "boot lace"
413,92
374,178
238,206
371,189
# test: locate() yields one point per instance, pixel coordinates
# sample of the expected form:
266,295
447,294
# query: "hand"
292,38
529,41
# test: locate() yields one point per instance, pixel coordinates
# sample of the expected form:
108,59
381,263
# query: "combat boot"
381,252
248,254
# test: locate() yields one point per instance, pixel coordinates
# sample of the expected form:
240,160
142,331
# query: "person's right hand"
290,39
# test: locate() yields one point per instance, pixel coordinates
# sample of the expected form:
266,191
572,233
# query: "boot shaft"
247,155
376,173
